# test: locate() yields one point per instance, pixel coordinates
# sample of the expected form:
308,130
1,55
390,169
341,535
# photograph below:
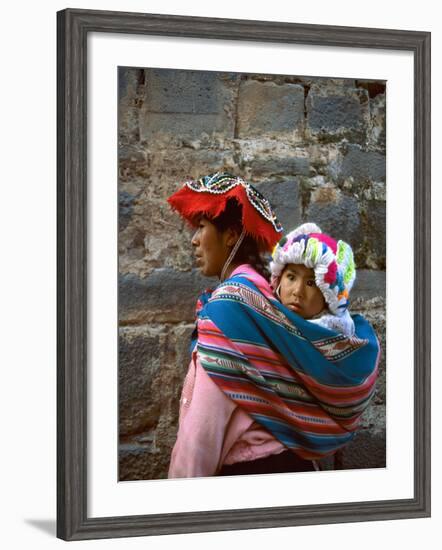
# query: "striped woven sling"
304,383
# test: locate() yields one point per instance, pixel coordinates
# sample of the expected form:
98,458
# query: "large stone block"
187,104
369,284
155,236
284,196
274,166
128,105
125,211
146,455
346,214
375,231
267,108
377,126
333,113
269,157
179,91
336,213
137,461
337,112
128,80
133,165
140,461
139,362
155,125
152,366
165,296
363,165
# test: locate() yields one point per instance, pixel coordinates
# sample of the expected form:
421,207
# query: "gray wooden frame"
73,27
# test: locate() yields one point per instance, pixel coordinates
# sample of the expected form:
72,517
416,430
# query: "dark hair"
248,252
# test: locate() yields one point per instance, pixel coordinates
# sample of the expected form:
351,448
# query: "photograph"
243,283
275,184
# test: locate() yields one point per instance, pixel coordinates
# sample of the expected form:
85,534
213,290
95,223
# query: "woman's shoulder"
243,275
247,273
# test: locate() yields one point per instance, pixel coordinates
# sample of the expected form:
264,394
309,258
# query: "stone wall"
314,147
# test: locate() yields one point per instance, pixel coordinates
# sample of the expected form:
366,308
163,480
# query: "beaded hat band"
209,195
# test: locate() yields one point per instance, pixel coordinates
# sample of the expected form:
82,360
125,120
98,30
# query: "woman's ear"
231,236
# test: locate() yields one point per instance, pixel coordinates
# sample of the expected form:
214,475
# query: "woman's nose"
194,240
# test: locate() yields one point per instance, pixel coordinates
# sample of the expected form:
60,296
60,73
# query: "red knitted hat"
208,196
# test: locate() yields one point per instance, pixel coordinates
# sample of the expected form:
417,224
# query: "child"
312,275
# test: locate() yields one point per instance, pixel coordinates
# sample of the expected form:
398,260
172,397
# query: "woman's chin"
203,270
208,272
200,266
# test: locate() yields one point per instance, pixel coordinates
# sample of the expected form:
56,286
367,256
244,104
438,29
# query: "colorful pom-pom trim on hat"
208,196
332,262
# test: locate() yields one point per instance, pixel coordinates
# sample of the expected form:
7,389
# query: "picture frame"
73,27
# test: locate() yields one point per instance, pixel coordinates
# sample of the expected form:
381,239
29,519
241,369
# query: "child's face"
299,292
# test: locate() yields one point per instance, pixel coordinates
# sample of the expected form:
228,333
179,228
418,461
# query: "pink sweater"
213,430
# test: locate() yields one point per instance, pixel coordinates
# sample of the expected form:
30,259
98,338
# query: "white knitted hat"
332,262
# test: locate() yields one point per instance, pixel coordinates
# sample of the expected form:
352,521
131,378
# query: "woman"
262,393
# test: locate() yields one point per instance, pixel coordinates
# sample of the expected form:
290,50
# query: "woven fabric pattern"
306,384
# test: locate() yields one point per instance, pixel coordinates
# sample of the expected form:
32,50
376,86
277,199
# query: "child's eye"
311,283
